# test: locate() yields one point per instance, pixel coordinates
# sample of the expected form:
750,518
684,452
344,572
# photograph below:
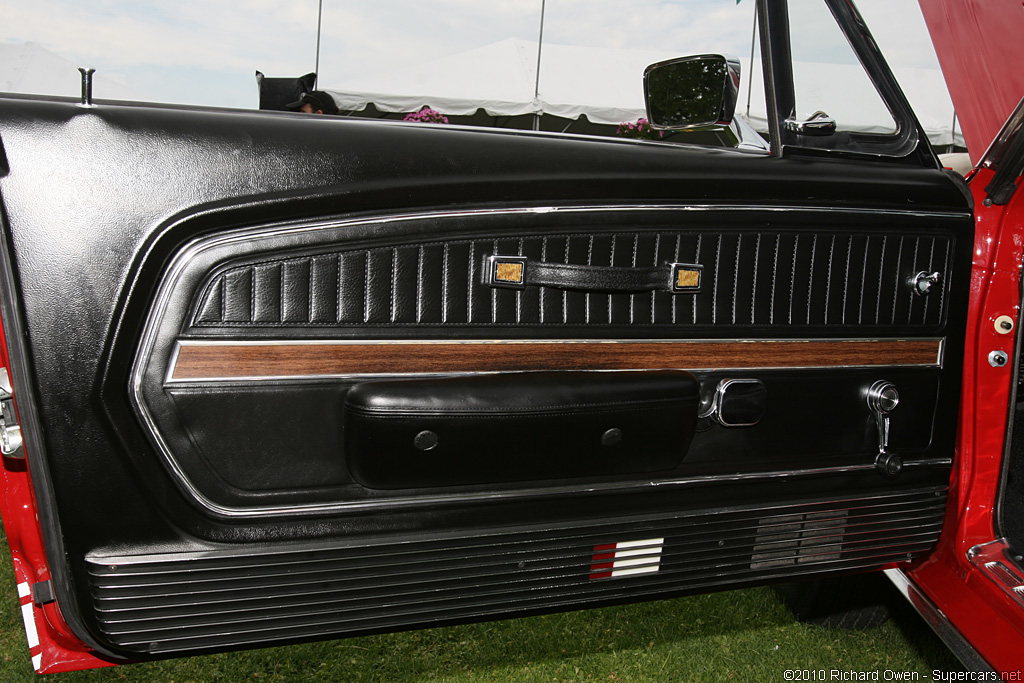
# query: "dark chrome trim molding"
201,245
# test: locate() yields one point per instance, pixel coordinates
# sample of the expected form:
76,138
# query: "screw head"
426,440
611,437
998,359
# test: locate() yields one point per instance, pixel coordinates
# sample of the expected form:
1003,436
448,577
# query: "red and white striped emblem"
625,558
29,617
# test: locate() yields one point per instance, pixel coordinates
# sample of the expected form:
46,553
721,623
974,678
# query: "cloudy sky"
206,51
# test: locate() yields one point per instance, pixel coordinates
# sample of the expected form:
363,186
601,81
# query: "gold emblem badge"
686,277
511,273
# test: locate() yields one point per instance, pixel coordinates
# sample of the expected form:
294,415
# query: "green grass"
742,635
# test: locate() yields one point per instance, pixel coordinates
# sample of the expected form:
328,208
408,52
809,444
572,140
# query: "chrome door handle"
820,123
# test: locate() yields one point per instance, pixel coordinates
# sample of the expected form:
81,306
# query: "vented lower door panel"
188,601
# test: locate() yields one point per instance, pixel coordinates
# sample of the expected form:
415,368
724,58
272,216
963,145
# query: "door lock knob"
883,397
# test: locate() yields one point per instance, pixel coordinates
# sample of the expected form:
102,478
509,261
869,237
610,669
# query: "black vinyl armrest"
507,427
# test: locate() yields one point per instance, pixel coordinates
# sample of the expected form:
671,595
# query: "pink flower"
426,115
641,130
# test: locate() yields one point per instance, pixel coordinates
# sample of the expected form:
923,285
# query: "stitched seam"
942,289
931,269
543,290
590,261
519,292
309,292
632,297
394,277
714,295
910,308
896,286
657,252
494,292
280,293
366,293
337,299
792,278
846,278
469,288
828,277
810,277
736,277
565,294
863,280
881,273
753,290
775,280
444,285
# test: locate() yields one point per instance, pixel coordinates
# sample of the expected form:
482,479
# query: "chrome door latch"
10,430
924,282
736,403
882,399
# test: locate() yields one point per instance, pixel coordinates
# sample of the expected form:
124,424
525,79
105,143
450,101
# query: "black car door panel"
281,394
275,310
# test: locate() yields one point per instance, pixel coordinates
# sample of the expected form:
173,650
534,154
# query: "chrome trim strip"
533,494
779,513
203,244
940,623
409,342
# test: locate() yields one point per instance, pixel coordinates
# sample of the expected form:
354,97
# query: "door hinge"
10,430
42,593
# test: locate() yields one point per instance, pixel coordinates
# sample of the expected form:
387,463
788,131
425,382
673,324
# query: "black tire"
853,602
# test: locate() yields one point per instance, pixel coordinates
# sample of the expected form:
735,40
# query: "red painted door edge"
52,645
990,619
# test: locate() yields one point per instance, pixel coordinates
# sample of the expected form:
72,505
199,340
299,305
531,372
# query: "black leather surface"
249,436
98,201
807,278
507,427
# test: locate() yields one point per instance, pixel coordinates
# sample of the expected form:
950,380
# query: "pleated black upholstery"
832,279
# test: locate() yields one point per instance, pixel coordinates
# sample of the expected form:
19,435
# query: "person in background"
314,102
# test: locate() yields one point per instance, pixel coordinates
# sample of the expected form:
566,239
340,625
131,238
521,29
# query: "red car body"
979,48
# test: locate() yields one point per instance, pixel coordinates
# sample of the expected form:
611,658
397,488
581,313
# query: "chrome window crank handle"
882,398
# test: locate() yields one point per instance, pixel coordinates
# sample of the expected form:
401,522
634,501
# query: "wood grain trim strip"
239,360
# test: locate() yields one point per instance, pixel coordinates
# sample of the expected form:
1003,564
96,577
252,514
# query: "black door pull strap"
518,272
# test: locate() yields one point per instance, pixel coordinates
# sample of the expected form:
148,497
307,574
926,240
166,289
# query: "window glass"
827,75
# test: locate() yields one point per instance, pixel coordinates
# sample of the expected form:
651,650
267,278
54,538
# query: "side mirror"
692,92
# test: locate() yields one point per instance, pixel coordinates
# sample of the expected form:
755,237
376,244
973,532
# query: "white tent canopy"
500,78
605,84
31,68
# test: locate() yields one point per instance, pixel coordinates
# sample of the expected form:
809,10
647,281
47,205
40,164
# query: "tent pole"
319,20
536,84
750,76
